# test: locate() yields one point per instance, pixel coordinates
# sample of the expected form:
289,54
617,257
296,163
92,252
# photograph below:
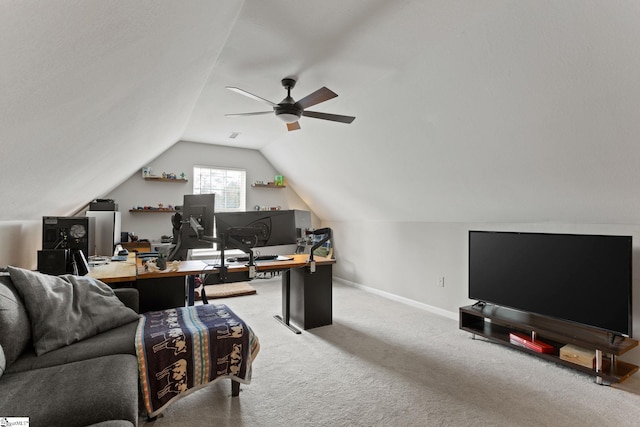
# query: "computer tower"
69,232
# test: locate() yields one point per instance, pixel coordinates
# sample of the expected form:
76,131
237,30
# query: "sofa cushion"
15,330
76,394
120,340
65,309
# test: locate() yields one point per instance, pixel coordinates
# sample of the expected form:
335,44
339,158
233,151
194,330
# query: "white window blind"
227,184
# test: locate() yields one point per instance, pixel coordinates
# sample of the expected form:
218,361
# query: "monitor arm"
199,229
319,231
235,238
183,239
232,239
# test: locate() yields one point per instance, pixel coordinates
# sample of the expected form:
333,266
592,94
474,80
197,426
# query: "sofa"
67,350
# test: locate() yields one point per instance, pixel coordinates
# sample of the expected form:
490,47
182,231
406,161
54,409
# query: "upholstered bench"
182,349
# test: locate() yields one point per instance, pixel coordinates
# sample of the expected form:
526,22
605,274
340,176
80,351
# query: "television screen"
580,278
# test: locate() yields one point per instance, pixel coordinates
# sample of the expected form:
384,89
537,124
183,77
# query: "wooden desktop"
306,295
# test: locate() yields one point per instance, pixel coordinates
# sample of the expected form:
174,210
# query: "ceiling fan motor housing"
288,111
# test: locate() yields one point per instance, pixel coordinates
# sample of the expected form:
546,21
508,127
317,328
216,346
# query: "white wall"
406,258
20,242
181,157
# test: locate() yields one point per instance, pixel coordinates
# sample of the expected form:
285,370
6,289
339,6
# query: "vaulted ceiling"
495,110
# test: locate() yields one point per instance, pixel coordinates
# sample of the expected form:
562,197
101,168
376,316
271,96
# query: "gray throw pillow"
66,309
15,330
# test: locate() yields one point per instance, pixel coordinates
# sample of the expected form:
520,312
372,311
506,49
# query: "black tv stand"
613,338
496,323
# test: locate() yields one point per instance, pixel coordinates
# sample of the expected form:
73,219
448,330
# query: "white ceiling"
496,111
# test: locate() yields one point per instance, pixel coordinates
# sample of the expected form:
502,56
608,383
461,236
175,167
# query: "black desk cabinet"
311,296
161,293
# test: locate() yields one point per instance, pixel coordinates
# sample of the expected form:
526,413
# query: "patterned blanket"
182,349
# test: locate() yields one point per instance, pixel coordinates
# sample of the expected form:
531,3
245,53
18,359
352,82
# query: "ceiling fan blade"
249,114
293,126
321,95
327,116
250,95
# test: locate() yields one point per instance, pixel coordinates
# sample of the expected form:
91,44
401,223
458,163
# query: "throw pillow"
15,330
65,309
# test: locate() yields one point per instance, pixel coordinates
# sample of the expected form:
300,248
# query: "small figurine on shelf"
164,174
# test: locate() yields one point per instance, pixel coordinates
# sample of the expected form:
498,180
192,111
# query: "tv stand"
496,323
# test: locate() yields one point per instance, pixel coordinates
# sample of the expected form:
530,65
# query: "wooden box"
578,355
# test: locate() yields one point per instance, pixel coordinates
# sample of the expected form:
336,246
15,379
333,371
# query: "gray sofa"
92,379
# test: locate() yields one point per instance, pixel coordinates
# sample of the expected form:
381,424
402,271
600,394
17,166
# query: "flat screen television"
583,279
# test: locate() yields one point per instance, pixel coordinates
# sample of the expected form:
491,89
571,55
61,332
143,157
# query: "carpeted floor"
383,363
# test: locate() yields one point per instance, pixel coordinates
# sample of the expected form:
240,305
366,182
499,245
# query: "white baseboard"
388,295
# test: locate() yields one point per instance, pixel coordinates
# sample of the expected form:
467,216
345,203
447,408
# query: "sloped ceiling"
496,111
91,91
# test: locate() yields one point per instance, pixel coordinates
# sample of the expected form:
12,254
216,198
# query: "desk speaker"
54,261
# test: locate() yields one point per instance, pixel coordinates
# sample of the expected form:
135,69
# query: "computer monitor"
198,207
201,208
275,227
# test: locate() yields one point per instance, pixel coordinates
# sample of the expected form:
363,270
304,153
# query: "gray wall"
405,259
181,157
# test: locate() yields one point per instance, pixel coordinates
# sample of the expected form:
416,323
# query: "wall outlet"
441,281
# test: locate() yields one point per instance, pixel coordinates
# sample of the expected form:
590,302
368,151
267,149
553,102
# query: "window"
227,184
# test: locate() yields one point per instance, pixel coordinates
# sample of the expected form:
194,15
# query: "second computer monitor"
274,228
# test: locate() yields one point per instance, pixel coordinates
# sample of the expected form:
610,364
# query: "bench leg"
235,388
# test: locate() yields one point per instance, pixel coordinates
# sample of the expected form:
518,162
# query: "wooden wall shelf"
161,179
268,186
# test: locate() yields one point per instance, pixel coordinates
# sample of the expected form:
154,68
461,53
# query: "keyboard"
255,258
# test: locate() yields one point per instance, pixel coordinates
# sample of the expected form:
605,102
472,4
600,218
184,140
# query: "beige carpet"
383,363
227,290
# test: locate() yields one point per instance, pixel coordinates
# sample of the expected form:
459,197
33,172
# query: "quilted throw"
182,349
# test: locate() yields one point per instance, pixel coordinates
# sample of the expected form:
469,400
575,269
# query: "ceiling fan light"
288,117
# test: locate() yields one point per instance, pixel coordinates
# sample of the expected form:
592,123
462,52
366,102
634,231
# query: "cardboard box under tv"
578,355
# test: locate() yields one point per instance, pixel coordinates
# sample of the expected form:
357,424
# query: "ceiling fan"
290,111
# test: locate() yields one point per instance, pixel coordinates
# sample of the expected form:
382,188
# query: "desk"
306,296
116,272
